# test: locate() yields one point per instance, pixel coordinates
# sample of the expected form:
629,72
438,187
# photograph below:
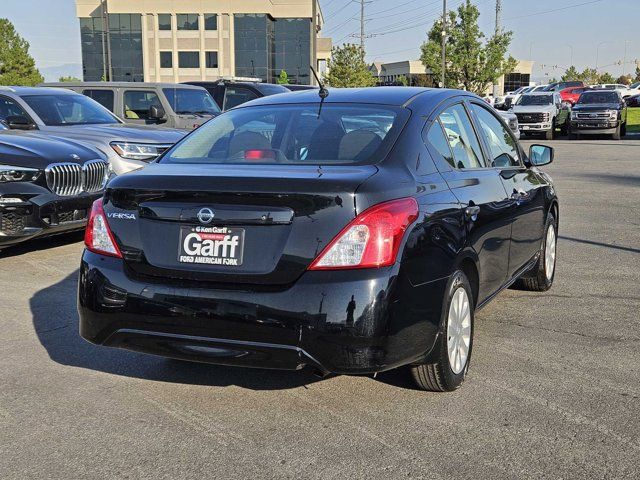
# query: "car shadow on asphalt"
42,243
55,320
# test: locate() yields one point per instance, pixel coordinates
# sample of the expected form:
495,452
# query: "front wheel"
454,344
617,135
551,133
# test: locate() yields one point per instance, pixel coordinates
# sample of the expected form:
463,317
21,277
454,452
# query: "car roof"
539,93
119,85
34,91
398,96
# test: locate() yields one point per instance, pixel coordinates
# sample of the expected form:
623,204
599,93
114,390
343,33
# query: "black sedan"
600,112
47,186
353,234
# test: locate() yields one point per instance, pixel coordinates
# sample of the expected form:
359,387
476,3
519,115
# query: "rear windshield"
535,100
598,97
191,100
294,134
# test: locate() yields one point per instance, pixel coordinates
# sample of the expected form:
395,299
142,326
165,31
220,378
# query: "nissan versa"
352,234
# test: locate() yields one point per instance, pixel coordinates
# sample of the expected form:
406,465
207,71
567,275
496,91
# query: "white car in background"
512,120
633,89
623,90
511,98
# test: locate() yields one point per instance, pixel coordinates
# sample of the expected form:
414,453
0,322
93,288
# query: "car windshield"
598,97
634,85
535,100
191,100
64,109
294,134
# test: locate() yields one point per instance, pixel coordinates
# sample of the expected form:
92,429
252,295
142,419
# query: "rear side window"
461,137
235,96
138,102
103,97
294,134
502,145
436,138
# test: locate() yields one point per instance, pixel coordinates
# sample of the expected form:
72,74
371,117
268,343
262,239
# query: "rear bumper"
359,321
42,215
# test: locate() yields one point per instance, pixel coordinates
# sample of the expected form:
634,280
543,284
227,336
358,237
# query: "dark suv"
229,94
601,112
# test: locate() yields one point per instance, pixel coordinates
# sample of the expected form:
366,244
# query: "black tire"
550,134
617,135
564,129
623,132
536,279
439,376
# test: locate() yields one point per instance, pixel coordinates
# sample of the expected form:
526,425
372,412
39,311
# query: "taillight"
98,237
372,239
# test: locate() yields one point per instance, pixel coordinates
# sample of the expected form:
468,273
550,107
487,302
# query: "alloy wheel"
459,330
550,252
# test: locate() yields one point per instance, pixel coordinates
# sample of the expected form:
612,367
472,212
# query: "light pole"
624,61
598,52
571,57
444,39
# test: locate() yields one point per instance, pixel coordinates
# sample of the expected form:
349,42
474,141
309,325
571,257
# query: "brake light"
98,237
372,239
259,155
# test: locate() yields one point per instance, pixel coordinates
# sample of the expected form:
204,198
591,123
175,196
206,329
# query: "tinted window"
293,134
210,21
235,96
211,59
56,110
535,100
187,21
599,97
502,145
103,97
166,59
187,100
436,138
189,59
461,137
138,102
164,21
9,107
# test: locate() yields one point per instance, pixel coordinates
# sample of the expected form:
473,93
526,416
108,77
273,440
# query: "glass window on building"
103,97
187,21
164,21
125,32
189,59
293,49
93,52
210,21
211,59
254,46
166,59
138,102
514,81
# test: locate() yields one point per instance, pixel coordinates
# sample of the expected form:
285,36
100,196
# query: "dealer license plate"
211,245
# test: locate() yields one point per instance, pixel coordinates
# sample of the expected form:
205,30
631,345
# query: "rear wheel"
623,132
564,129
454,344
540,277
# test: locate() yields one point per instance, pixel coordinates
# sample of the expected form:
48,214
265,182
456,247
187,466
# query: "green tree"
69,79
347,68
283,79
17,67
472,63
637,77
624,79
402,81
606,77
571,74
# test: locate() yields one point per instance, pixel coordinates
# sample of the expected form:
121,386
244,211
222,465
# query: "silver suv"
167,104
66,114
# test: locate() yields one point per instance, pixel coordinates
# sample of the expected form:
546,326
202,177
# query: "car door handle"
471,212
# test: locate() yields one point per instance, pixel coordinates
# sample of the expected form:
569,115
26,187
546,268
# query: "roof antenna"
323,92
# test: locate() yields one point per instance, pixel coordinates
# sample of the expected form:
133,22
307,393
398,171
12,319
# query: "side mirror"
19,122
156,112
540,155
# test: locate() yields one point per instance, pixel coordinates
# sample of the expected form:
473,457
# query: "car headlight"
546,116
138,151
613,114
10,173
574,115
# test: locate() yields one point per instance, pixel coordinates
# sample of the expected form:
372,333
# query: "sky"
550,32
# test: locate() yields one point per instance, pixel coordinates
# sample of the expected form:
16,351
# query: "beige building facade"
183,40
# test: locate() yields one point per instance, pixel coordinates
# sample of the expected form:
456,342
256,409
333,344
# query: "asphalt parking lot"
553,391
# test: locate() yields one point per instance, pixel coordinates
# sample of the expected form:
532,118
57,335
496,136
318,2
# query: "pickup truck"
542,113
602,112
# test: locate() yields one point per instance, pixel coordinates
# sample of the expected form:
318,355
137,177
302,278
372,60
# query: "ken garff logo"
74,156
205,215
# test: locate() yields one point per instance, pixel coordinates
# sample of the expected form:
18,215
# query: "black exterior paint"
276,314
